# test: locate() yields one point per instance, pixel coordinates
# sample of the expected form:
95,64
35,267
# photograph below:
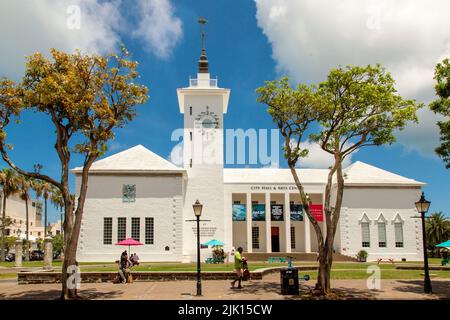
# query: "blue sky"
246,45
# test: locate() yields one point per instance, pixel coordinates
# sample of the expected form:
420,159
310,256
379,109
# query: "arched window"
398,228
365,231
381,222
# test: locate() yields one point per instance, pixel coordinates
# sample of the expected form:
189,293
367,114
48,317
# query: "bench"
391,260
276,259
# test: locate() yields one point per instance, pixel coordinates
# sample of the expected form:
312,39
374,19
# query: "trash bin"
289,281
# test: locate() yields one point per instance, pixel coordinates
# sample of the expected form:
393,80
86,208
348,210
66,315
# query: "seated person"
134,259
124,267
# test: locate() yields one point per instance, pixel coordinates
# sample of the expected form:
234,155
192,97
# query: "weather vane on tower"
203,62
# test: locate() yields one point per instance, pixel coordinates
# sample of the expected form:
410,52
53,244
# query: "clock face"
207,120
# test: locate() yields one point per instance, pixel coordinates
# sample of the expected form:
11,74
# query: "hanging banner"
317,211
258,212
296,212
239,212
276,212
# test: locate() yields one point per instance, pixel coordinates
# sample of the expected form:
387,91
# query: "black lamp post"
422,206
198,212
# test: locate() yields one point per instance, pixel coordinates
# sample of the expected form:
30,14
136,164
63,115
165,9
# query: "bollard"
18,254
48,253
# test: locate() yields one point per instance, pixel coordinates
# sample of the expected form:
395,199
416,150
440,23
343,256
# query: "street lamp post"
198,212
422,206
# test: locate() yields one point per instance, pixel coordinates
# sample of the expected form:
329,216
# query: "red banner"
317,211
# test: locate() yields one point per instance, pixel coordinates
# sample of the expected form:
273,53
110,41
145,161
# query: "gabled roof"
357,174
360,173
137,159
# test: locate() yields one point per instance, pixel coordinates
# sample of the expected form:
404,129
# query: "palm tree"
437,230
9,182
44,189
57,200
24,189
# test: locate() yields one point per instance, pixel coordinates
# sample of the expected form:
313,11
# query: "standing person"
238,267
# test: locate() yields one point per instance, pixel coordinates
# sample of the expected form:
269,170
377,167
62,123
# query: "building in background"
16,212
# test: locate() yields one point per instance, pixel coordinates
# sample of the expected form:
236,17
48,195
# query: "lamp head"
422,205
197,208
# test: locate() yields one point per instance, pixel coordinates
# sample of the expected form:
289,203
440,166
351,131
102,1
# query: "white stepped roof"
360,173
137,159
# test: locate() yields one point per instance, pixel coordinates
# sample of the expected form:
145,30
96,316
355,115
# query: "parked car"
10,257
36,255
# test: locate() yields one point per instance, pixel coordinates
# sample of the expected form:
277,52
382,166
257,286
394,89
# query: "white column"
268,224
287,221
307,233
248,221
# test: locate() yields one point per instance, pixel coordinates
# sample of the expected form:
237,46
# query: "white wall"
373,202
157,196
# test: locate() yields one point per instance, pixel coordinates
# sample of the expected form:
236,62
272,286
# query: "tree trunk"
2,256
27,249
45,218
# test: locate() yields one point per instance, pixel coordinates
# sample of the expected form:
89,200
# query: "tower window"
190,163
190,111
190,134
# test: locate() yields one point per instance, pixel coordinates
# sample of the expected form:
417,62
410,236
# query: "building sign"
276,212
239,212
296,212
317,211
258,212
129,193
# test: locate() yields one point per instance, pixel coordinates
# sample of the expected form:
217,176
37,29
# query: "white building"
136,193
16,212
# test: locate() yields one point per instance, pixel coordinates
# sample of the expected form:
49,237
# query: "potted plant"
362,256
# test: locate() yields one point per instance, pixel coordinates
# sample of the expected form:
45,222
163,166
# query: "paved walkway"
267,289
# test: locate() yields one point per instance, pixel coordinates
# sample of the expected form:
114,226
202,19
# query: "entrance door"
275,239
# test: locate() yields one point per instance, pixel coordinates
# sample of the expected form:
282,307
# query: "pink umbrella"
129,242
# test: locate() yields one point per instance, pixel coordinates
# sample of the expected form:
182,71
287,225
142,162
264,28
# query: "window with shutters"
382,234
149,230
398,226
136,228
121,228
255,237
365,234
292,237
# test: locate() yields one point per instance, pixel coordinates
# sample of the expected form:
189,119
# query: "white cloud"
28,26
319,159
158,26
310,37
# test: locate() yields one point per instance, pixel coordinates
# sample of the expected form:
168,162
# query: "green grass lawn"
340,270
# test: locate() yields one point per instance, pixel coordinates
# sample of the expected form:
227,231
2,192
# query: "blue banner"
258,212
296,212
239,212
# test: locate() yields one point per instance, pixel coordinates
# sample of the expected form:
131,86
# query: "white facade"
138,194
16,211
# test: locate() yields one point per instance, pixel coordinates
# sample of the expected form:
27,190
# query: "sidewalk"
267,289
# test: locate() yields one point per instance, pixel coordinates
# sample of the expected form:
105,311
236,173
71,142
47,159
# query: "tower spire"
203,66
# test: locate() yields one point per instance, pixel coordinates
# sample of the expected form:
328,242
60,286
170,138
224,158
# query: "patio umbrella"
445,244
129,242
214,243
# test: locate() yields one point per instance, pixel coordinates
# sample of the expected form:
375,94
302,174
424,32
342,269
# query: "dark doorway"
275,239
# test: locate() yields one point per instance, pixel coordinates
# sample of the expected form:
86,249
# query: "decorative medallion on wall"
129,193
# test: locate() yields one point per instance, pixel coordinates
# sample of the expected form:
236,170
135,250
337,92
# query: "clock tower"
203,105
